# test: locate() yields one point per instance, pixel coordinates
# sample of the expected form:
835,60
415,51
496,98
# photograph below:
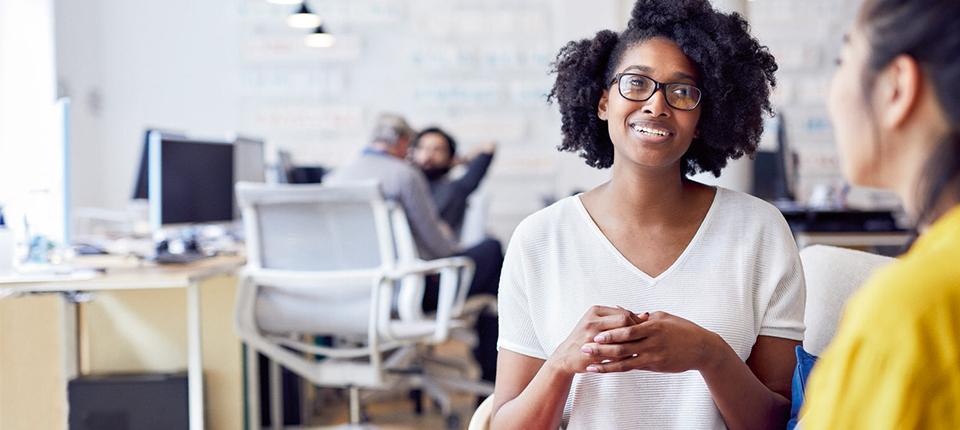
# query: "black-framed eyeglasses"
639,88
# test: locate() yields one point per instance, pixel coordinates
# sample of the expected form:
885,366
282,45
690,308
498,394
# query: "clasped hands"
614,339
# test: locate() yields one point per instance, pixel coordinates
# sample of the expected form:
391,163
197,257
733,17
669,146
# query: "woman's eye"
682,92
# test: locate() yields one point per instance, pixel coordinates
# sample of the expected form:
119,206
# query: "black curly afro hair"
737,75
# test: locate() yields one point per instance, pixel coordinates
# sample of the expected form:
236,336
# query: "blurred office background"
477,68
222,68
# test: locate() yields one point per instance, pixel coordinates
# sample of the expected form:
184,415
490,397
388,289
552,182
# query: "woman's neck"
920,148
646,195
950,200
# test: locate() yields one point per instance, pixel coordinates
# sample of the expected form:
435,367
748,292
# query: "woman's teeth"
650,131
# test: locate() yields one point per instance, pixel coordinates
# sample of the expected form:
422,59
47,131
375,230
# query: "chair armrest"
455,276
428,267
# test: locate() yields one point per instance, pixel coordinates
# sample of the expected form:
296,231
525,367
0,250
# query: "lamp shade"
319,38
303,17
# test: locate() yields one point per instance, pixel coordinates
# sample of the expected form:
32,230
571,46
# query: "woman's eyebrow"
681,75
648,69
642,69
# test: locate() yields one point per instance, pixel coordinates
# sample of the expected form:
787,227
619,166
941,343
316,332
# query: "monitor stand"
178,250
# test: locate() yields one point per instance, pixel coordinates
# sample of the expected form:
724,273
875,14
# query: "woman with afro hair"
653,301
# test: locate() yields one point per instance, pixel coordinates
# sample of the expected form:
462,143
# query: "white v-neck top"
739,277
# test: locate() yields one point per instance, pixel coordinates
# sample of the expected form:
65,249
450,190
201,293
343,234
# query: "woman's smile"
648,131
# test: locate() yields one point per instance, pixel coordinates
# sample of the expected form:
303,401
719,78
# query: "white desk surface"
120,273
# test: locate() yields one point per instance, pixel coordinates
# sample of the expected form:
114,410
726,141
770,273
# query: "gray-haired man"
384,159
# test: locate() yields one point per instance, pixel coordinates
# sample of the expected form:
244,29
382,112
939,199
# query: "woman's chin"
652,157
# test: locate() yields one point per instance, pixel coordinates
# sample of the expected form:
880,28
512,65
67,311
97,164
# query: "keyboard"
185,258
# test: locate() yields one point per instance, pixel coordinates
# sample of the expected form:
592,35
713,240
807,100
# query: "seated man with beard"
434,151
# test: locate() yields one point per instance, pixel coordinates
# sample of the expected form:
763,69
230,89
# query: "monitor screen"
773,167
191,181
140,185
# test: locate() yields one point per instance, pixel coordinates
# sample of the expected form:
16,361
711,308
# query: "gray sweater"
403,183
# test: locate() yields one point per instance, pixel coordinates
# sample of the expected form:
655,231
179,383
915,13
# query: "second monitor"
191,181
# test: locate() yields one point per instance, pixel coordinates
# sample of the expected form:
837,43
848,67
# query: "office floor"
395,414
391,411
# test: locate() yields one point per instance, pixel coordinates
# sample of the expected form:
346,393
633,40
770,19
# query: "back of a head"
390,128
927,31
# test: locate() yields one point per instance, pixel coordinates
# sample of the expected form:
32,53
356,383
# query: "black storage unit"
306,175
129,402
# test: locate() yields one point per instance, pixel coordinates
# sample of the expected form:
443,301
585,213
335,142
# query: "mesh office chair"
341,262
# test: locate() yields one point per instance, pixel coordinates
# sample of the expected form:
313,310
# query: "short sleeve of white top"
739,277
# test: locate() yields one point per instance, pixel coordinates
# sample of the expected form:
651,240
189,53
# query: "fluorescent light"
285,2
303,18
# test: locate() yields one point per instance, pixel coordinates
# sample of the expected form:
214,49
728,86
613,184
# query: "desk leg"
71,351
194,357
253,388
71,340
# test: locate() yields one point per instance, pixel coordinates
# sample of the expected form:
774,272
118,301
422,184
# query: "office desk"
856,240
126,274
858,229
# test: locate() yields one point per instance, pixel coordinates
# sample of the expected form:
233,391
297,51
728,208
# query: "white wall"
27,91
135,64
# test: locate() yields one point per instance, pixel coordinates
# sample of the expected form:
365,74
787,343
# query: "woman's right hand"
569,358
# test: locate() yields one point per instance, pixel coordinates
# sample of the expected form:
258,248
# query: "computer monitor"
249,163
774,168
189,181
46,180
140,185
248,160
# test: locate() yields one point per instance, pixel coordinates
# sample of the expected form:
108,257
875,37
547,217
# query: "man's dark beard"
434,173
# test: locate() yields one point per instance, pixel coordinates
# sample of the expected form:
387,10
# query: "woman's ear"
897,91
602,106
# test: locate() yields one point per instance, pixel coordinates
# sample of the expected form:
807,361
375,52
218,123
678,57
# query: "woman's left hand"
664,343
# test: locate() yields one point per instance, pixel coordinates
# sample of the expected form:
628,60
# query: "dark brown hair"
927,31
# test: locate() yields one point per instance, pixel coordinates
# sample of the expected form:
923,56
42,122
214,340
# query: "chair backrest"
316,227
832,276
318,249
474,228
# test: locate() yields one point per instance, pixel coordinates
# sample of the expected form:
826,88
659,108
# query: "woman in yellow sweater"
895,102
